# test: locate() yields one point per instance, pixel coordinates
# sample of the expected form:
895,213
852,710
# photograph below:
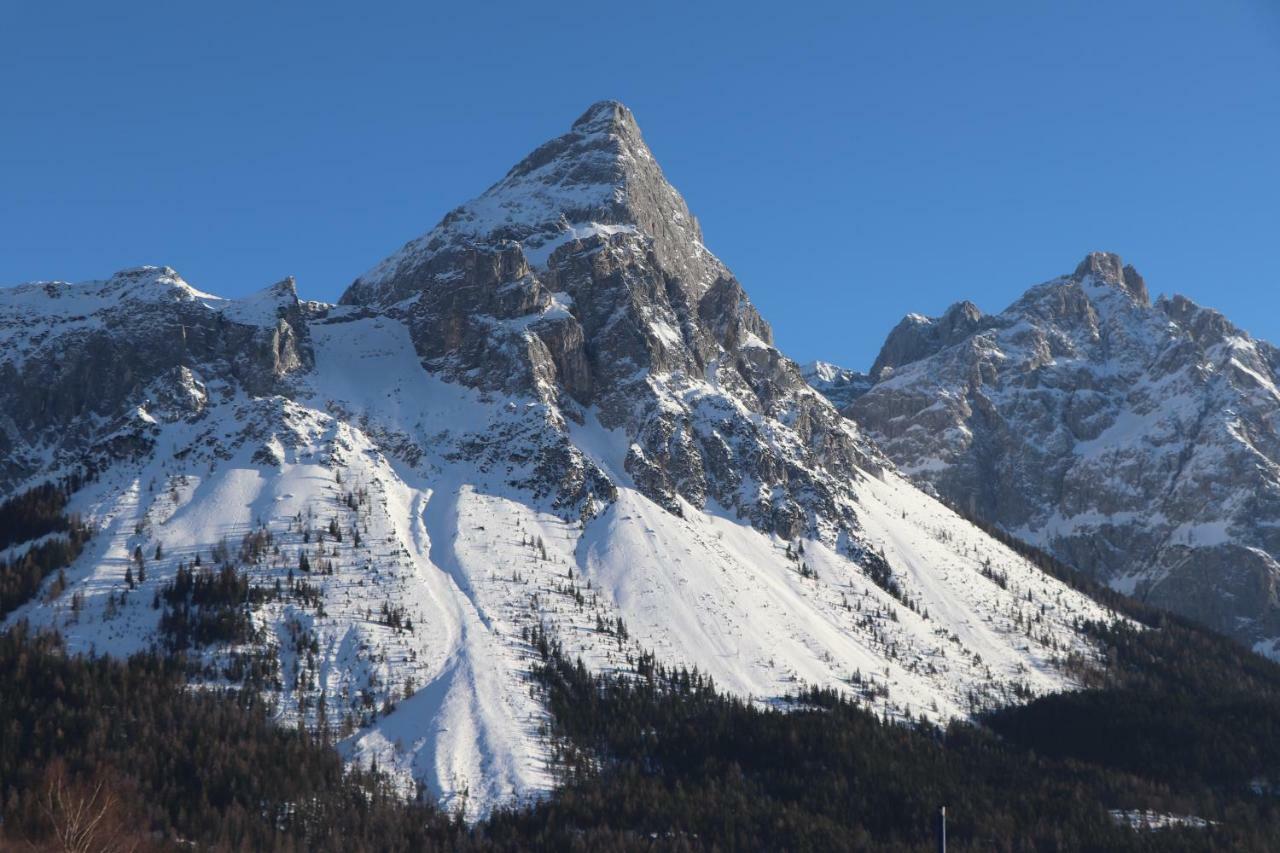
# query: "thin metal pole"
942,829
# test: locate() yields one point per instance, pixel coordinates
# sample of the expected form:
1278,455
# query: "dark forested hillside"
38,514
668,758
663,761
164,763
1176,703
32,514
1177,721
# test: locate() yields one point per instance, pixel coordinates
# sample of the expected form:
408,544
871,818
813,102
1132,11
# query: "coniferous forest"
103,754
1185,724
38,514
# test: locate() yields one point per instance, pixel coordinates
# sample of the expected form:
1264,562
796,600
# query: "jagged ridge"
1136,441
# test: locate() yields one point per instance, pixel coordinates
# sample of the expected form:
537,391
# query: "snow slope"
457,548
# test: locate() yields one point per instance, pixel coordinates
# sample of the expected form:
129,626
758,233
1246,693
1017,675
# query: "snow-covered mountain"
1136,441
557,412
838,384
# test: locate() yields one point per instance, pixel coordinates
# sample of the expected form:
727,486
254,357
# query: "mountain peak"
838,384
146,271
918,336
1108,268
145,283
962,313
605,116
1132,441
595,181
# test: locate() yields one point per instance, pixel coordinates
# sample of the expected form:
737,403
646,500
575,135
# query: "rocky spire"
609,116
917,337
1107,268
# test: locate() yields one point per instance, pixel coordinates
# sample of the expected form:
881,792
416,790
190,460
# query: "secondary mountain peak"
917,336
1108,268
145,272
1136,442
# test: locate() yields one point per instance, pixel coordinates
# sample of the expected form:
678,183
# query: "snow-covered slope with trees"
554,418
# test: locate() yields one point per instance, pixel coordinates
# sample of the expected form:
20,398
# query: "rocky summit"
581,278
1136,441
554,418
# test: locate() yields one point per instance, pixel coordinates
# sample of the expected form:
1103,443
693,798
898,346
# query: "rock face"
1135,441
79,361
918,337
581,276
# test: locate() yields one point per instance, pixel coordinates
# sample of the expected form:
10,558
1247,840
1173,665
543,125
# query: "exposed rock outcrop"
79,359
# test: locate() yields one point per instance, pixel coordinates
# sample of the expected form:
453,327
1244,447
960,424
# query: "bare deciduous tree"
85,817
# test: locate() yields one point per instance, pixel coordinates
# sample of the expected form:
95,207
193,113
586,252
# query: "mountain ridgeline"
1136,441
537,502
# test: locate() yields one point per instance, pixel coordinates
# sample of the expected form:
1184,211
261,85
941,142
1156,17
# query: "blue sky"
850,161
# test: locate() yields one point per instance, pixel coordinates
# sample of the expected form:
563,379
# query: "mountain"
838,384
1136,441
553,421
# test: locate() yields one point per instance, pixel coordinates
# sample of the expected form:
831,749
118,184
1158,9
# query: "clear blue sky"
850,161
